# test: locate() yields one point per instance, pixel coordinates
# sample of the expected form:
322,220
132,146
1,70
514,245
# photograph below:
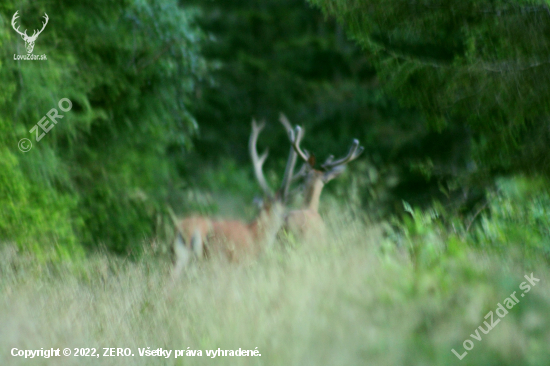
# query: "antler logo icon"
29,41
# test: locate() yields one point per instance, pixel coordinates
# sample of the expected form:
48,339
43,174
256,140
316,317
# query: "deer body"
236,240
232,239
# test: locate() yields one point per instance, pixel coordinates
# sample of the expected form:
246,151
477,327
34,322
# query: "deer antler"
298,134
354,152
15,16
258,161
289,177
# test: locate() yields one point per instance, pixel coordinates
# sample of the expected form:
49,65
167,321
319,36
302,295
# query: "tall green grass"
356,298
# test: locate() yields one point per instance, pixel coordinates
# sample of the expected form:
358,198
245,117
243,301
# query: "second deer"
307,221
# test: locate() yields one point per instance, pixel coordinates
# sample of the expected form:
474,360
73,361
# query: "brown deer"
307,221
236,240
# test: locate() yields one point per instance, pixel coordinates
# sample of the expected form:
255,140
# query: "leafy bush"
518,218
129,69
513,221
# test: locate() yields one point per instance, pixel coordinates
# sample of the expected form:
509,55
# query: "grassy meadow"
360,297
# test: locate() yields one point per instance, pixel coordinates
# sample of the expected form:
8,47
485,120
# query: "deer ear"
311,161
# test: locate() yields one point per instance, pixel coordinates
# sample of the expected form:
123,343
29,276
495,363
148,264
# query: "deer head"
331,168
29,40
315,179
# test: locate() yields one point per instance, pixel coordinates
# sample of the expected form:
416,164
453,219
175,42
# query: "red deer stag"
201,236
306,221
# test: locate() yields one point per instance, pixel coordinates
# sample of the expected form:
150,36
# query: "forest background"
451,101
446,100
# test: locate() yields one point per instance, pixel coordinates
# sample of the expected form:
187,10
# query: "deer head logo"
29,41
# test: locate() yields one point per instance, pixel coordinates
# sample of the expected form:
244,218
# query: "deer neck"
313,194
268,223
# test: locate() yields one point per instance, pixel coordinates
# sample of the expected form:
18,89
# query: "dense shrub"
102,173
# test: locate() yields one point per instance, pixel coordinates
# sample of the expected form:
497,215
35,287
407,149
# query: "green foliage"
229,178
514,221
33,214
518,219
102,173
477,64
423,234
280,56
